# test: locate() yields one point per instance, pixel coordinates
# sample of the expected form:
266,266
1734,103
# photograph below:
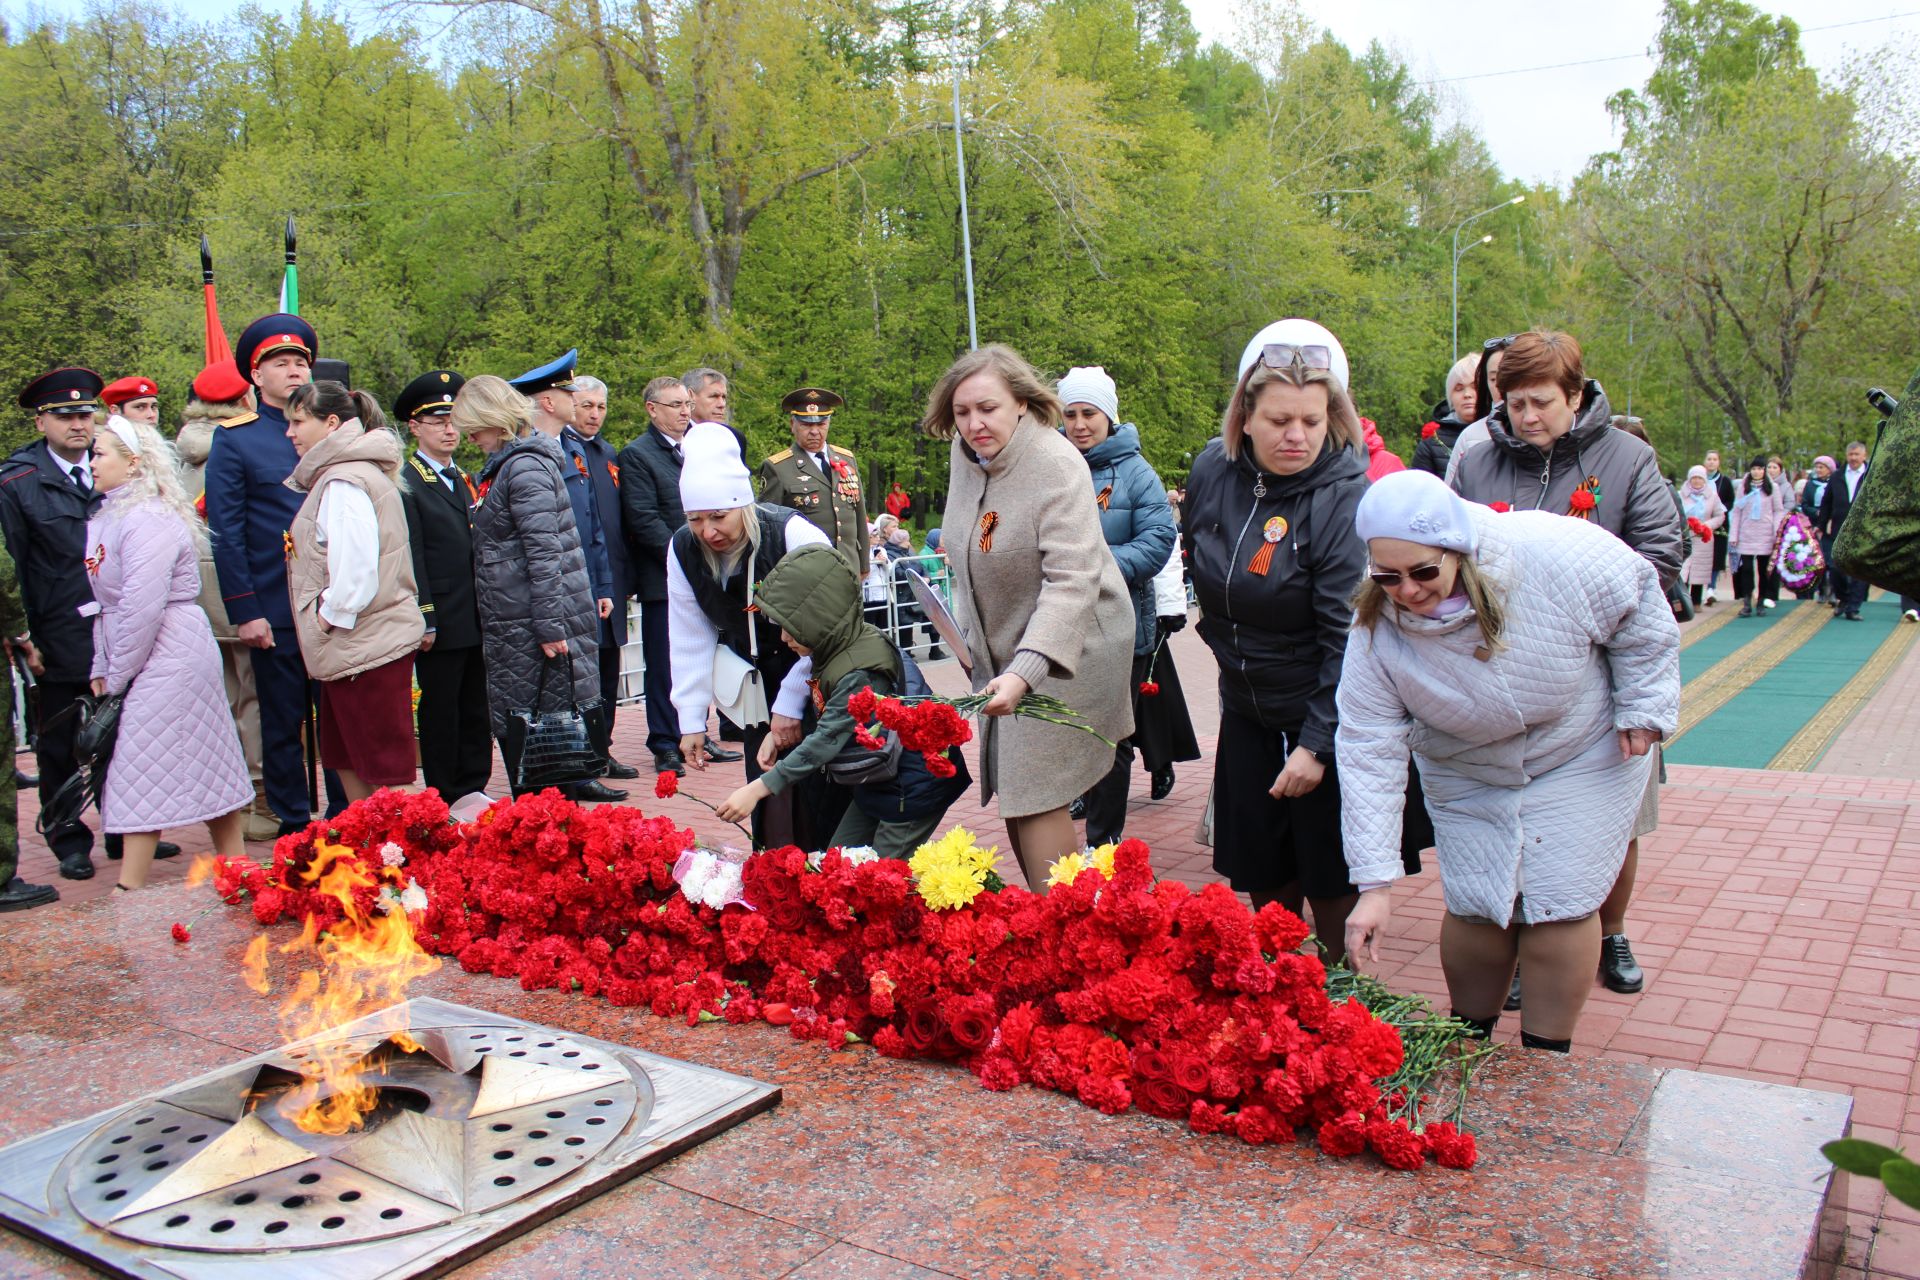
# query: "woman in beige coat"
1037,592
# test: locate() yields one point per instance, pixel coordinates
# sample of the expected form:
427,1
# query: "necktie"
452,476
820,460
79,474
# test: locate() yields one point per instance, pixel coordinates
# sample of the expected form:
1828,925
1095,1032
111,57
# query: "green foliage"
770,188
1871,1160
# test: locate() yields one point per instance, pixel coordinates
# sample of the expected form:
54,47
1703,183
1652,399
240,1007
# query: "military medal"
1270,535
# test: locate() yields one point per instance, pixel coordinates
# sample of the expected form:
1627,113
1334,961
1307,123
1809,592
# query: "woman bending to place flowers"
1529,663
1037,592
177,757
1269,533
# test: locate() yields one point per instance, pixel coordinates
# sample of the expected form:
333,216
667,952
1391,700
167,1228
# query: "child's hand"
769,753
738,806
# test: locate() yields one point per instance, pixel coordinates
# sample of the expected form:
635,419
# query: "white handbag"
739,690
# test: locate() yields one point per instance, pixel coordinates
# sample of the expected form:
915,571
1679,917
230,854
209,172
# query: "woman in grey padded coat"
536,605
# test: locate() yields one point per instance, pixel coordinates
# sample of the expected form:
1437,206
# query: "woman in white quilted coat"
176,759
1530,663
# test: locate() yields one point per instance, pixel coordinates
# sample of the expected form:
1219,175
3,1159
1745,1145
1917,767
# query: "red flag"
216,338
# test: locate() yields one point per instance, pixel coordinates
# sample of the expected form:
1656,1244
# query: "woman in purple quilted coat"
177,759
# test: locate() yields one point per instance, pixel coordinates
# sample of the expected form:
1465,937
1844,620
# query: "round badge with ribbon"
1270,535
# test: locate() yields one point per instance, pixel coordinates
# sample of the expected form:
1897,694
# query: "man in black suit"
603,472
456,743
650,513
1848,593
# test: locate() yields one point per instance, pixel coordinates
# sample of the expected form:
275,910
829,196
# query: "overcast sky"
1542,125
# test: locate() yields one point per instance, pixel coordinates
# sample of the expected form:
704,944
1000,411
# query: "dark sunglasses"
1285,355
1425,573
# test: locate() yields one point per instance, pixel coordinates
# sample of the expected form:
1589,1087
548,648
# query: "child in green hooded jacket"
813,596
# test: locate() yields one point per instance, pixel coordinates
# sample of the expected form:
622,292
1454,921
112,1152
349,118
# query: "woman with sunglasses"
1529,663
1268,524
1552,446
1486,394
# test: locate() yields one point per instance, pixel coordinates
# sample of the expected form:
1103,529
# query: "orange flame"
364,963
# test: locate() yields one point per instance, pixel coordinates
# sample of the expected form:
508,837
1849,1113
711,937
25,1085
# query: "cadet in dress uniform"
134,398
249,512
817,479
456,742
46,496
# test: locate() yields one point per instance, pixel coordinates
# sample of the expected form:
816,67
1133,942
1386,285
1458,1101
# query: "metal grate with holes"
486,1121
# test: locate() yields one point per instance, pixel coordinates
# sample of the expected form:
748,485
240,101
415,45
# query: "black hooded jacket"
1432,452
1279,636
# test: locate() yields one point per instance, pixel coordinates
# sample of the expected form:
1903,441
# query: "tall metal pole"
966,229
1456,262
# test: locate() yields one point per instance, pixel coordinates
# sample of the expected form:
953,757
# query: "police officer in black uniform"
46,496
456,743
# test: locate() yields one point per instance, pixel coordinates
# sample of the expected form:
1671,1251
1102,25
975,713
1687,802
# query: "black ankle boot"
1528,1040
1480,1028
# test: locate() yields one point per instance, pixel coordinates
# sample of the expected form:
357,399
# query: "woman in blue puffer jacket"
1138,525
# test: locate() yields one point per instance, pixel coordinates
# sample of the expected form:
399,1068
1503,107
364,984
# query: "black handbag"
857,764
93,744
555,748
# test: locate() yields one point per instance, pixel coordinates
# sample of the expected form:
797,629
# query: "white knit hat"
712,476
1302,333
1416,506
1091,384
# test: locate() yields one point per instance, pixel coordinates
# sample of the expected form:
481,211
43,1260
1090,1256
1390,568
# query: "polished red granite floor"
873,1167
1774,916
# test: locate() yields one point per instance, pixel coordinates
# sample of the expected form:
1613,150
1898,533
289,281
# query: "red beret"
221,383
121,390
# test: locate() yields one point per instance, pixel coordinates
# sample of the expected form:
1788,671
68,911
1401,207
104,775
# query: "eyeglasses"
1424,573
1285,355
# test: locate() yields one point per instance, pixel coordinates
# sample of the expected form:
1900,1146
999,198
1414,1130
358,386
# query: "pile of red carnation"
1123,992
1698,528
929,726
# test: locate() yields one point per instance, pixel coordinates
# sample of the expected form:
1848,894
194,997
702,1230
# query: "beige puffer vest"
390,626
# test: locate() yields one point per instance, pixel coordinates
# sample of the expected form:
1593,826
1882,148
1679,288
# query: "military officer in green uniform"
817,479
15,894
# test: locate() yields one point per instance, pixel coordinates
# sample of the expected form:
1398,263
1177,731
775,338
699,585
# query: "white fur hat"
712,476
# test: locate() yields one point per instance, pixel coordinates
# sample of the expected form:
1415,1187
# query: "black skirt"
1263,845
1162,728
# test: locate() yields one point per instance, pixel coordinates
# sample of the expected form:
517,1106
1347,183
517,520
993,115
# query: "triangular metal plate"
506,1083
420,1153
245,1151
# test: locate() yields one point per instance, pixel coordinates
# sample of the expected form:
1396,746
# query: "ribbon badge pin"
1270,535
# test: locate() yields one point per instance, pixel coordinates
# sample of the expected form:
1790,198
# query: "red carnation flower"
1451,1148
1255,1124
1345,1136
1149,688
1431,429
1395,1144
667,785
862,705
1500,506
182,934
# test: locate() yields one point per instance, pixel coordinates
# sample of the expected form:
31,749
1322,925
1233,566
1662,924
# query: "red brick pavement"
1775,916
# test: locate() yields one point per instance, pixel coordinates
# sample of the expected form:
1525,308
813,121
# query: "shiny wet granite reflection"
873,1167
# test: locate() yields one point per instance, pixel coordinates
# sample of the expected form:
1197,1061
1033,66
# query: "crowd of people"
1477,654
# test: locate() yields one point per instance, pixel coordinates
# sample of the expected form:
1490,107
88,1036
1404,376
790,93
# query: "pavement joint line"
1817,735
1727,678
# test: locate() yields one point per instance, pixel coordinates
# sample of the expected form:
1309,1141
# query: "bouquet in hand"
1699,529
930,725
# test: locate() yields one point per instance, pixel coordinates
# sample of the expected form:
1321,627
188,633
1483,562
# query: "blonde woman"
1037,592
177,758
1530,664
1268,524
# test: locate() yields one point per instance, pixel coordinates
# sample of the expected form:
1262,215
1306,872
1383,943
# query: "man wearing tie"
816,479
1848,593
456,744
46,496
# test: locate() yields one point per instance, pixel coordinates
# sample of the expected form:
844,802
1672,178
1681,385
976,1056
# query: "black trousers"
280,680
610,668
59,723
805,814
663,723
456,743
1850,592
1755,571
1107,798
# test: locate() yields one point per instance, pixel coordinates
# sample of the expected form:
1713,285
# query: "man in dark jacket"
603,476
456,750
46,496
650,513
550,387
1848,593
15,894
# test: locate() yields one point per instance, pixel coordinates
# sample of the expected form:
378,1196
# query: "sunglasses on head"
1424,573
1498,344
1285,355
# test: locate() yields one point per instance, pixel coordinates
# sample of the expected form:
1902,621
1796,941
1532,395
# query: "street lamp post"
1457,251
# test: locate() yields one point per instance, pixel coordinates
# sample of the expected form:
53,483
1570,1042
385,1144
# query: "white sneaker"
1711,598
1768,604
1911,615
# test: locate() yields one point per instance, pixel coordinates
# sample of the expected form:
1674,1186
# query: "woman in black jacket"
1270,537
537,614
1450,417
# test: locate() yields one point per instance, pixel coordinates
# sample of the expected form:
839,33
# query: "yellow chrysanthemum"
1066,870
952,870
948,885
1101,859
